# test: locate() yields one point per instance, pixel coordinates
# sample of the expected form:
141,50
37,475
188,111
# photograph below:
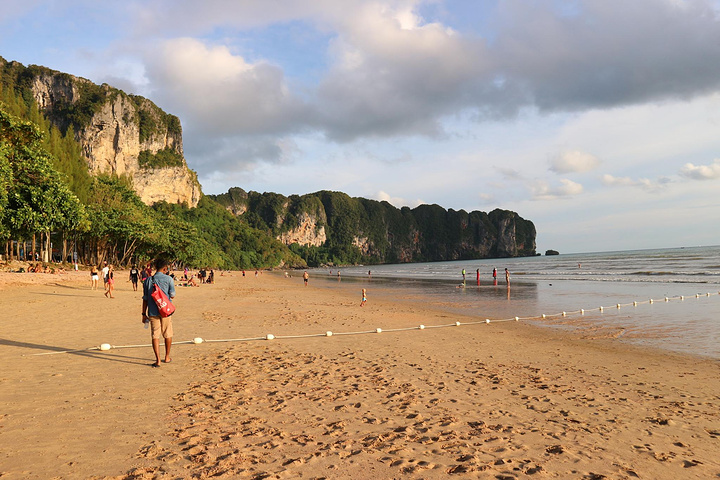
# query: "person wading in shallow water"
159,326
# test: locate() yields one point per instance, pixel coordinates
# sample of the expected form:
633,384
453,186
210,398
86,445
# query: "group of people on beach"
40,268
140,274
494,275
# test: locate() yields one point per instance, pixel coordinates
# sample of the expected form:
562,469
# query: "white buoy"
618,306
421,327
682,297
697,295
667,299
543,315
601,309
197,340
328,334
564,314
379,330
105,347
582,311
651,301
487,320
270,336
517,318
457,324
634,304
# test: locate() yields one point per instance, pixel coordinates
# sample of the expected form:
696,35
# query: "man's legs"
156,349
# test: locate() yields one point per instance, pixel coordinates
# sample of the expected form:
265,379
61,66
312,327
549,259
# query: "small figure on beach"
159,326
369,273
94,276
110,283
477,274
494,273
463,274
134,277
305,277
105,271
364,297
507,276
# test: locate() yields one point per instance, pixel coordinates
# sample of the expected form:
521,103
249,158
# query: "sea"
667,299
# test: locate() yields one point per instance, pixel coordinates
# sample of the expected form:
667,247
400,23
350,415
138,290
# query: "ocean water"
577,284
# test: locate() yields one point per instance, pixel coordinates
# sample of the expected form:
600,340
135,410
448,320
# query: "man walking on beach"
159,326
305,277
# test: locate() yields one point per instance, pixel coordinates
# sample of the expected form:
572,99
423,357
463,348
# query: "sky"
599,120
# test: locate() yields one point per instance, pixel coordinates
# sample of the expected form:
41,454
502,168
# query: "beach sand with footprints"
497,401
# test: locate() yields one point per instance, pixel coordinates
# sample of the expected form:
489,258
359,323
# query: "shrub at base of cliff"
241,246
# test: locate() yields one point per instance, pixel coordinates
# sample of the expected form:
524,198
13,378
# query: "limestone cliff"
353,230
119,133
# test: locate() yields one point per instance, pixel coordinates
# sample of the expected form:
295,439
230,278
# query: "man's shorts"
161,327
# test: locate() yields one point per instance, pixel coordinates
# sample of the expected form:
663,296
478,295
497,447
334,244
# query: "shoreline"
500,399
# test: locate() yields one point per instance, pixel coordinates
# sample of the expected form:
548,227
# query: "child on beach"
364,297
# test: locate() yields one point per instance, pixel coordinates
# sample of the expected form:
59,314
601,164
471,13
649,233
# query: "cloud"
392,74
238,154
219,93
574,161
509,173
644,183
389,72
541,190
701,172
396,201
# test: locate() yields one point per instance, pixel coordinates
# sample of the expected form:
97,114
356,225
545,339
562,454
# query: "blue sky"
599,120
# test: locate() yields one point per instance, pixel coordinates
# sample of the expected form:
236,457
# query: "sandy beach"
497,401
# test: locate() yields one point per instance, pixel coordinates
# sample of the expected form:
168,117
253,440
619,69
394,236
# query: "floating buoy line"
198,340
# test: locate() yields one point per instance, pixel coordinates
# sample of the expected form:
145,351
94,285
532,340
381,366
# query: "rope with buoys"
198,340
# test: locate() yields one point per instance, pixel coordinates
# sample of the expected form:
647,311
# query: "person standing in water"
507,276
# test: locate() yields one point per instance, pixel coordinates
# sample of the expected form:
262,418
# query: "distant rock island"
552,252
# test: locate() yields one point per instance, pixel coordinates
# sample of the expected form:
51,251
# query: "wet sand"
503,400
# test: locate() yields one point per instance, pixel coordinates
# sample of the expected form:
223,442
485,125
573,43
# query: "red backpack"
164,305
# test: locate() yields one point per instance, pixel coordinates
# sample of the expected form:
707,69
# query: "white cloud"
386,197
542,190
644,183
397,202
220,93
574,161
702,172
509,173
